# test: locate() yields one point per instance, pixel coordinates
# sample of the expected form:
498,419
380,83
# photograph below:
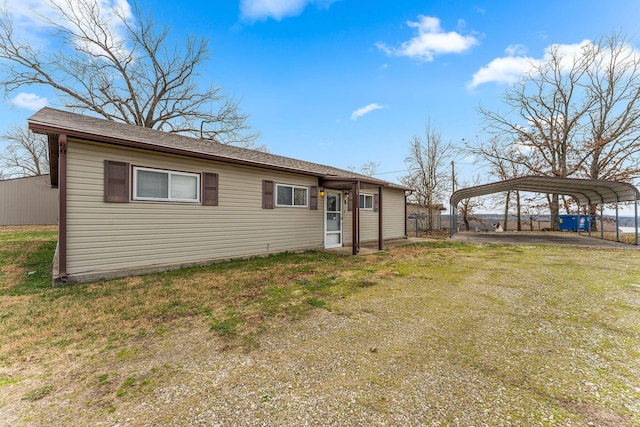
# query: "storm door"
333,219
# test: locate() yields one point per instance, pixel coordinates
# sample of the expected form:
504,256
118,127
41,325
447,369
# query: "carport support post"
451,220
602,221
635,204
578,218
617,223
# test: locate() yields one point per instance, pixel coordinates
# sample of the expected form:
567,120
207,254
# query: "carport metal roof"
584,191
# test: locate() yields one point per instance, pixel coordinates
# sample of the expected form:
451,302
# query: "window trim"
293,188
362,205
169,172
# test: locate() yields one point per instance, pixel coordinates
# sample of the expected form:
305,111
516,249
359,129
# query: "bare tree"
467,207
25,155
427,174
532,209
369,168
545,117
614,122
576,114
505,160
118,64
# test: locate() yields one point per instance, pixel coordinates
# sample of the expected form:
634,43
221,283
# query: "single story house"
28,201
135,200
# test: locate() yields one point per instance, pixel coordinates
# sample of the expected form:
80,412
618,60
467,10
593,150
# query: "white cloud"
430,41
257,10
30,101
515,50
365,110
510,68
502,70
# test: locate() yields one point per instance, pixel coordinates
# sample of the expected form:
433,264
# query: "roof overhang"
346,183
584,191
327,180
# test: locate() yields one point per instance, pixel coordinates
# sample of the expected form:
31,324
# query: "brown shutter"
210,189
350,206
116,182
376,203
267,194
313,198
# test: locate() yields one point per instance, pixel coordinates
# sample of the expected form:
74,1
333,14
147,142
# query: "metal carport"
585,191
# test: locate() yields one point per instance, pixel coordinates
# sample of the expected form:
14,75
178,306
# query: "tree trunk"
554,212
593,211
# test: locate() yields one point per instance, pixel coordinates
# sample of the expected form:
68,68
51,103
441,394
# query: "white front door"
333,219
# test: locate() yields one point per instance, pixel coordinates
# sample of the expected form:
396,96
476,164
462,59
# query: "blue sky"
349,81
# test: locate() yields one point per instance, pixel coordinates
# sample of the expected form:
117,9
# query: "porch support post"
355,228
380,228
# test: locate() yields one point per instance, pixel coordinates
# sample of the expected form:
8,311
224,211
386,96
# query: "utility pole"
453,178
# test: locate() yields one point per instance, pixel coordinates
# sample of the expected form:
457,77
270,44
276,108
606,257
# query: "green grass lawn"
476,334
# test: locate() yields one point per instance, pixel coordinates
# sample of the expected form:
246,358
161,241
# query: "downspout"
62,206
406,217
380,228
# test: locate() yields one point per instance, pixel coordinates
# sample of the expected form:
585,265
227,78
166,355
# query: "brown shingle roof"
51,121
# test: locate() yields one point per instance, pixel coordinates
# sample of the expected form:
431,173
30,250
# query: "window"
366,201
161,185
291,195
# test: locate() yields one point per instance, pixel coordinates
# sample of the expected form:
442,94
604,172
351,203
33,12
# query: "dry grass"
433,334
629,238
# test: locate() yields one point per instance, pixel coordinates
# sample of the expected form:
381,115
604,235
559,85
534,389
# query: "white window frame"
170,173
363,205
293,199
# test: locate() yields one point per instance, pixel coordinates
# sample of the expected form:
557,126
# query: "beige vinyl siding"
369,220
112,236
28,201
392,218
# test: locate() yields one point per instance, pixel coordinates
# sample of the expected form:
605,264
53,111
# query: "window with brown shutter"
267,194
313,198
210,189
116,182
376,202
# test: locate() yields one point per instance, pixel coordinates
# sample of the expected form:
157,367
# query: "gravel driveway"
540,238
